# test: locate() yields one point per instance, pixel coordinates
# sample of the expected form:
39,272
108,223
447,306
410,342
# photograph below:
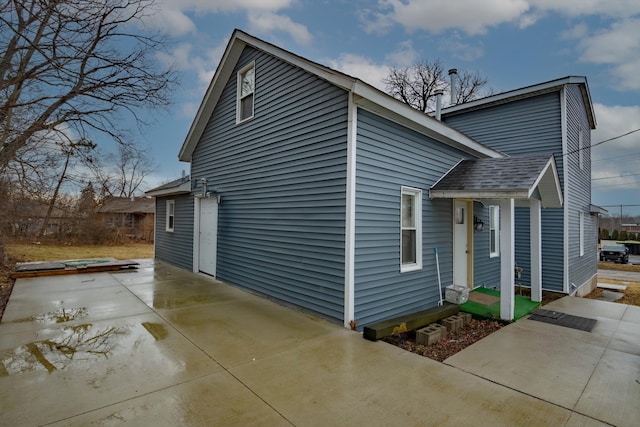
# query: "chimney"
438,95
453,73
183,173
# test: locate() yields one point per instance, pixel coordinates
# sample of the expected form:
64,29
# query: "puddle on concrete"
59,316
79,344
157,330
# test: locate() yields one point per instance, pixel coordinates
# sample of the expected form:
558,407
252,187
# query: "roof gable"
525,177
365,96
527,92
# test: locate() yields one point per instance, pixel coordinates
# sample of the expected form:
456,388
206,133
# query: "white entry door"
208,227
460,242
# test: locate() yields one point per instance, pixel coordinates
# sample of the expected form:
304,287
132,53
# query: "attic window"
246,90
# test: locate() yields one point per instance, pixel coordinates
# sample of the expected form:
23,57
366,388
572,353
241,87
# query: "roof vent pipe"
453,74
438,95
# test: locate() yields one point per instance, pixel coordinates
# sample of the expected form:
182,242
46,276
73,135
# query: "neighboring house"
131,217
25,219
316,189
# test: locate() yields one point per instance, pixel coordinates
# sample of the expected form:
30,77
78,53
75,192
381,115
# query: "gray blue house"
314,188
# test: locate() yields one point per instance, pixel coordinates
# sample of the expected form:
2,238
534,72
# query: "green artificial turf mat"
523,305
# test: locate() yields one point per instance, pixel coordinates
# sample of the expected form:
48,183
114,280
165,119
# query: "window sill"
410,267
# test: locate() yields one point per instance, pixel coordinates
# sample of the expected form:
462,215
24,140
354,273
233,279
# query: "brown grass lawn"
30,252
631,294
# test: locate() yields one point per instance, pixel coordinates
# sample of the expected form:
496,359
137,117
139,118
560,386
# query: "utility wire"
602,142
618,176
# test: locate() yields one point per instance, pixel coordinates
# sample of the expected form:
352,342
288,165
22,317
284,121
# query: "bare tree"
121,174
470,85
418,83
78,65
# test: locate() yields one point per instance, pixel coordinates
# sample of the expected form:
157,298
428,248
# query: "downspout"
350,217
565,209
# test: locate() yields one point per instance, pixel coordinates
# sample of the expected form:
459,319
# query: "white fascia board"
548,185
183,188
212,95
370,98
517,93
236,45
528,91
480,194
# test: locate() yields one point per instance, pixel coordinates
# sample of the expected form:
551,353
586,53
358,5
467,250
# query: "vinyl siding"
581,268
486,270
528,126
175,247
282,179
389,157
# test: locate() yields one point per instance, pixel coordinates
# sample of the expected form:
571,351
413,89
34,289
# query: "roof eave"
528,91
479,194
183,188
236,45
371,99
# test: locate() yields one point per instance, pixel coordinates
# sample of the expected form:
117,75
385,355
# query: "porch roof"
524,177
177,186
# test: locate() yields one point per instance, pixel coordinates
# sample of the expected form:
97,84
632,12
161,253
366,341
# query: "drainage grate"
563,319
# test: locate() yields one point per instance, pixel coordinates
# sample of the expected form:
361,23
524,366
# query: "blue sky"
514,43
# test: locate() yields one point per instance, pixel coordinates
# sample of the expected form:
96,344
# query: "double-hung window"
171,208
246,92
410,229
494,231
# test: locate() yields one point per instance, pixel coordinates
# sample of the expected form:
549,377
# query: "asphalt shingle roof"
502,174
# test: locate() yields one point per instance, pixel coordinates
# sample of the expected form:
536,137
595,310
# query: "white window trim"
581,233
581,148
417,193
494,217
242,71
170,206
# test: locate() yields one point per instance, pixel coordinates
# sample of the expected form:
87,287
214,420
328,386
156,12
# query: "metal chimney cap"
453,71
438,92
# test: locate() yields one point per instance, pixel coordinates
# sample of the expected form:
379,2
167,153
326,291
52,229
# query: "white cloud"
267,22
172,21
475,17
362,68
618,157
470,16
618,46
573,8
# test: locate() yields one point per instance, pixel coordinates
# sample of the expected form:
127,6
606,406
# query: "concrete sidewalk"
161,346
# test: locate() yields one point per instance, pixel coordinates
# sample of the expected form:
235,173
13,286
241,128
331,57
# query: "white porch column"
536,250
507,258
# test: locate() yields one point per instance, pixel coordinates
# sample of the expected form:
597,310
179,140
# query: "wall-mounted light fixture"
478,225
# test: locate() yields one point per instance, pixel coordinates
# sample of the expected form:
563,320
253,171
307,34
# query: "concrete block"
466,317
443,330
452,323
428,335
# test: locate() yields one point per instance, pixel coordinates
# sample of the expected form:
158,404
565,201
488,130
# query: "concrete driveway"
161,346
